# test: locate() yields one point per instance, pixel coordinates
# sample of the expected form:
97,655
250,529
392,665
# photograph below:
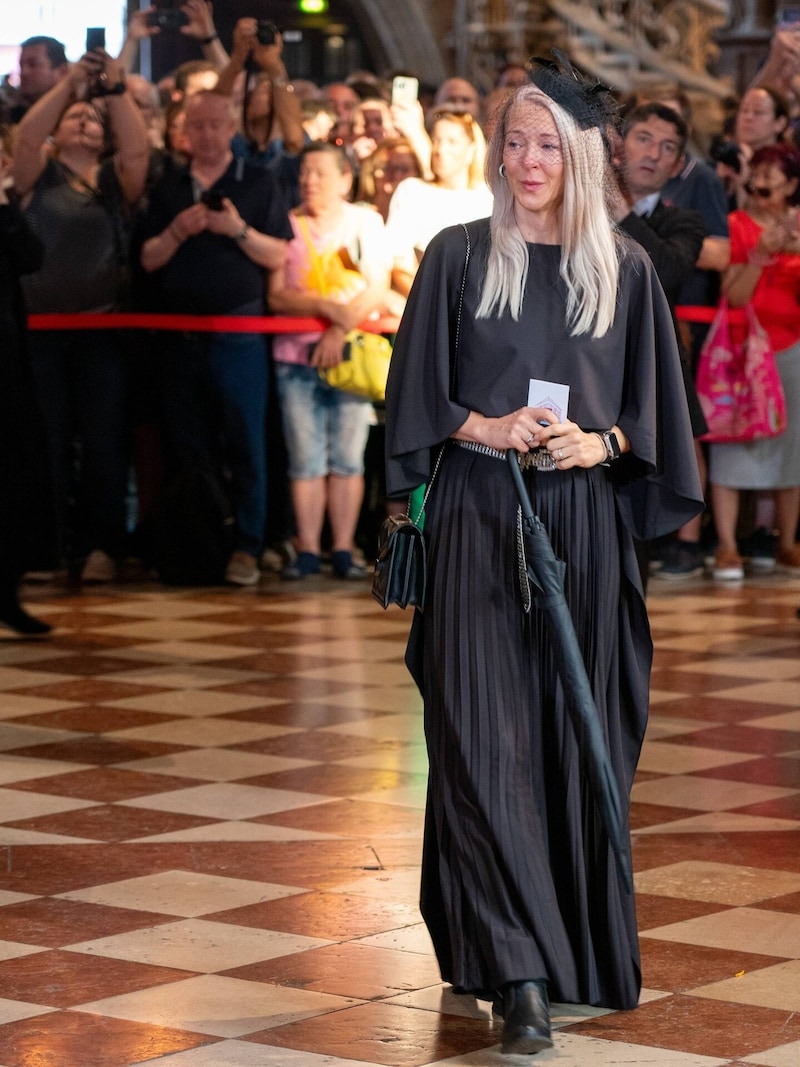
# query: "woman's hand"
522,429
570,446
329,349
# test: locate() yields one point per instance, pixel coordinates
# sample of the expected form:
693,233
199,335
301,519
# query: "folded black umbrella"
546,575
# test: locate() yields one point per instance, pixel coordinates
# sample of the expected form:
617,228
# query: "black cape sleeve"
658,485
420,411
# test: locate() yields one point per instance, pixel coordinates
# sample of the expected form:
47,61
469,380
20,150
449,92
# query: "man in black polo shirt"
211,231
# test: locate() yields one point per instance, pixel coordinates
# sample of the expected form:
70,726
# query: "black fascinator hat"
589,103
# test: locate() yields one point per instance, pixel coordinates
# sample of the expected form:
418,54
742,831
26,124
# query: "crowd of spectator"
218,192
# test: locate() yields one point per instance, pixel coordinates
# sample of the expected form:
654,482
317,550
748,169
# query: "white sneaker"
99,567
242,569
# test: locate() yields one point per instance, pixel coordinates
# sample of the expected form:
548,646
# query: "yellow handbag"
365,361
364,367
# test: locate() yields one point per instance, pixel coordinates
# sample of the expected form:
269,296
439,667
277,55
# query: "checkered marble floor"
210,817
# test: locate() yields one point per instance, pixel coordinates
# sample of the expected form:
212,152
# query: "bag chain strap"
452,380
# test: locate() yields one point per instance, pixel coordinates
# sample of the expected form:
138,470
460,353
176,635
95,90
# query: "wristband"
242,235
117,89
208,40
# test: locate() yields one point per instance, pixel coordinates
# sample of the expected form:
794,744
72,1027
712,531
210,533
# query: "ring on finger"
528,439
561,453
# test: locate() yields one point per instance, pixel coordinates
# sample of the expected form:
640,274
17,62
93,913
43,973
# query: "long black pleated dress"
518,880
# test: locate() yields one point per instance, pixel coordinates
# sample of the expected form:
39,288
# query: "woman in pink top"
765,271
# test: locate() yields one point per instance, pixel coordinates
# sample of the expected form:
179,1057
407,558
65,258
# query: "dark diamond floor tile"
353,818
53,923
769,770
305,716
105,784
738,738
644,815
718,709
383,1034
653,911
360,971
317,745
336,780
91,719
76,1039
88,665
332,916
61,979
110,823
697,1025
679,968
101,750
89,690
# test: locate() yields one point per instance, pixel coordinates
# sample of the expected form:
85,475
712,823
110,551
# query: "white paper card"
552,395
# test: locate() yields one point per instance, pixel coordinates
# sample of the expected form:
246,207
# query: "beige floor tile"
781,1056
200,732
789,721
407,796
17,838
237,831
777,692
167,651
727,644
192,676
380,727
197,945
13,1010
248,1054
745,929
16,804
215,764
11,950
14,736
409,758
161,607
720,822
704,794
664,757
663,725
227,800
224,1007
745,667
662,696
192,702
26,768
15,705
719,883
15,652
771,987
21,677
170,630
361,673
409,939
395,884
185,893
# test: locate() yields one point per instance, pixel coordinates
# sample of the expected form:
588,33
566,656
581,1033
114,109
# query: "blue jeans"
214,404
82,382
326,429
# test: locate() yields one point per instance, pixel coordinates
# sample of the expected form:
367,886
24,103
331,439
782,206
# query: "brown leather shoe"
527,1018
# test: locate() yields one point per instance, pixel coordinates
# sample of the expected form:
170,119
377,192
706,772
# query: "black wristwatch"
117,89
609,439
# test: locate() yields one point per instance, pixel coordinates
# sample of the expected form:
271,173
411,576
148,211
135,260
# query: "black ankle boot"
14,616
527,1018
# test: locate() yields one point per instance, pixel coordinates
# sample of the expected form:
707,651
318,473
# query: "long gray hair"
589,252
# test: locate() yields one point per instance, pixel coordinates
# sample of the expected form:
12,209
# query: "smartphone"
171,18
212,198
405,90
96,39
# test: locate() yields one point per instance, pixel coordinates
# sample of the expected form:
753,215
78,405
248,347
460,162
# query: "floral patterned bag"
738,385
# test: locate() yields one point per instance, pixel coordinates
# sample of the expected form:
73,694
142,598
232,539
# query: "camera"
170,18
266,31
212,198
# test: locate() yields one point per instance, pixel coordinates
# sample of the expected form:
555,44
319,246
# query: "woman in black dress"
520,891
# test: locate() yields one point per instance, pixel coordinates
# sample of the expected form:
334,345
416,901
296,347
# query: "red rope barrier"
130,320
271,324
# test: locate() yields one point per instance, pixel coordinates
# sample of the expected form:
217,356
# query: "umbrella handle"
516,477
